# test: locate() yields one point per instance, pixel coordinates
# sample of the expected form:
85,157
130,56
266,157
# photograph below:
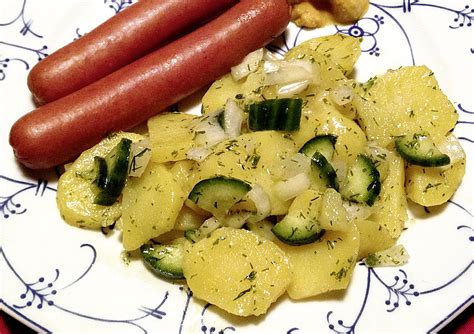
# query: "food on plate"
318,13
127,36
58,132
293,172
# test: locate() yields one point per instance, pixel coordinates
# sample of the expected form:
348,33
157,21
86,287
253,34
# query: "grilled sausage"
127,36
57,132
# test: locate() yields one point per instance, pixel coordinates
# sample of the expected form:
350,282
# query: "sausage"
59,131
127,36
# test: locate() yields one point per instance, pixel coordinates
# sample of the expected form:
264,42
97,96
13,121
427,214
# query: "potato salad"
292,173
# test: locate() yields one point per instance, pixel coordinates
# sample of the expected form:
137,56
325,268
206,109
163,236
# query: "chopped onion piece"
268,55
292,89
248,65
198,153
140,156
288,189
280,72
297,164
233,118
392,257
451,147
357,210
209,225
208,131
261,200
237,220
342,95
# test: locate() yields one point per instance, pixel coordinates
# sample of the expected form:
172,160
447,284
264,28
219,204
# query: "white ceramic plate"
56,278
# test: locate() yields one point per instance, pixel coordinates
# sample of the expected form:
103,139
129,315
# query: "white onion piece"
209,225
140,156
233,118
261,200
357,210
292,89
342,95
297,164
268,55
452,147
208,131
237,220
393,257
198,153
248,65
288,189
280,72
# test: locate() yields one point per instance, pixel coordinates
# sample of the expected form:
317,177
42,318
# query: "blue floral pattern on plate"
56,277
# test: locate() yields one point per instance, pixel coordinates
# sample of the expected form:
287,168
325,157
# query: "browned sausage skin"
57,132
127,36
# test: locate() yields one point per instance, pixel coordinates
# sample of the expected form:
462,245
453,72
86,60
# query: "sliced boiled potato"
430,186
321,117
77,191
327,263
390,210
150,206
324,265
374,237
340,49
252,157
171,136
236,270
250,89
184,173
407,100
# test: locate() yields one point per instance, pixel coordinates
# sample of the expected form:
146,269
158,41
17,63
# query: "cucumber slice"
362,183
419,149
297,230
100,172
324,144
301,225
111,179
275,114
217,195
165,260
323,172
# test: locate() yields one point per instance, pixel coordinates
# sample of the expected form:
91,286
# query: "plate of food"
215,167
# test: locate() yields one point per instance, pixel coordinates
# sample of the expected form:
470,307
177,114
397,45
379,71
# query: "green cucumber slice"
419,149
112,182
297,229
217,195
275,114
362,183
165,260
324,144
323,172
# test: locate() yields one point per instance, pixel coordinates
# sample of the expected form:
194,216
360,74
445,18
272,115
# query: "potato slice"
76,191
390,210
429,186
321,117
222,89
171,136
237,271
340,49
252,157
407,100
324,265
374,237
150,205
